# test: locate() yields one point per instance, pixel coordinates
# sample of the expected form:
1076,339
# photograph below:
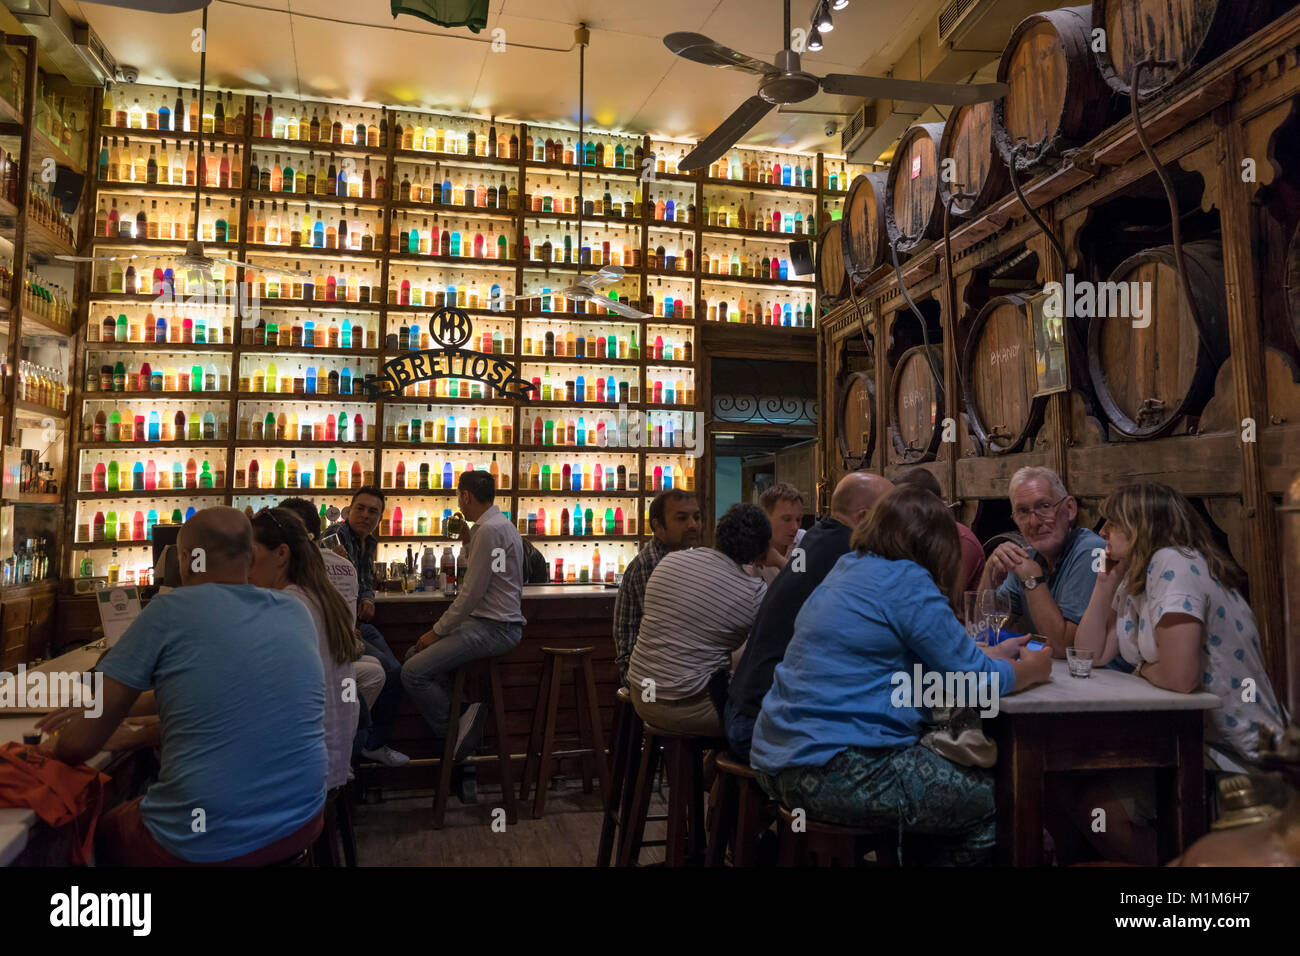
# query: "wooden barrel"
832,280
913,213
969,161
1291,284
1057,98
855,421
916,406
1186,33
1150,378
862,228
998,376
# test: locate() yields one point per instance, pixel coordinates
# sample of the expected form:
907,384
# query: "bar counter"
558,615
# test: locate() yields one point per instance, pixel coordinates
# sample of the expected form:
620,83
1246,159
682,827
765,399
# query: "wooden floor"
398,831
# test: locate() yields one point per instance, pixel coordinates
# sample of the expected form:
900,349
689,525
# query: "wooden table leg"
1180,790
1019,790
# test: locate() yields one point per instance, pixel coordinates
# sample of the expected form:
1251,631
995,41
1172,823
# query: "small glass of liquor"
1079,661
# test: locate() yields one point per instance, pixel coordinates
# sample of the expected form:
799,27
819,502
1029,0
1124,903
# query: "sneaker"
471,731
387,756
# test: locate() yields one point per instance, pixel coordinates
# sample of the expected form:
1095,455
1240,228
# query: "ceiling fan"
783,81
193,259
588,289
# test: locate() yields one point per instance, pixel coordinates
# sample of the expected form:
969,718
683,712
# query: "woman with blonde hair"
284,558
1168,600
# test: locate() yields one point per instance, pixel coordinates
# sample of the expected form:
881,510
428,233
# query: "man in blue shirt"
1050,581
234,674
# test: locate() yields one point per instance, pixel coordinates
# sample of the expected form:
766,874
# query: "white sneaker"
471,731
387,756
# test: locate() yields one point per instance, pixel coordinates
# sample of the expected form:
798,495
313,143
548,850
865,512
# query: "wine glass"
976,626
995,609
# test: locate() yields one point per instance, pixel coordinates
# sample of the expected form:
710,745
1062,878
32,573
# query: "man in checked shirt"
676,521
485,620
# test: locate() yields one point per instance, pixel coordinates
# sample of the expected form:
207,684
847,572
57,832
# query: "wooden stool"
625,757
741,812
829,844
338,827
541,744
685,758
497,713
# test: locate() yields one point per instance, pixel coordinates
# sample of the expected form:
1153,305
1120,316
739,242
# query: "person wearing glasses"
1049,582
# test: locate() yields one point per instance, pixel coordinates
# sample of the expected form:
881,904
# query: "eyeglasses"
1041,512
270,513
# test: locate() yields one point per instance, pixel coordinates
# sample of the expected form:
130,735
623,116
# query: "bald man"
235,675
808,564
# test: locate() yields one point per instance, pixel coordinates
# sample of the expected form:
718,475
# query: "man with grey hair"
1050,581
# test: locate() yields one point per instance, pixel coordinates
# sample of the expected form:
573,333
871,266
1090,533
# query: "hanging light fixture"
814,40
839,4
822,20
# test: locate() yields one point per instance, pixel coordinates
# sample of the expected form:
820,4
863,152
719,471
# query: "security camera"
832,127
129,74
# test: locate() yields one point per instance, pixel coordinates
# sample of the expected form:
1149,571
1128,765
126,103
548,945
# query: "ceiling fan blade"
581,292
622,309
699,48
274,270
914,91
607,276
721,139
96,258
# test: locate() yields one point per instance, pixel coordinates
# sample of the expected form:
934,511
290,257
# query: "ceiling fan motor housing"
791,85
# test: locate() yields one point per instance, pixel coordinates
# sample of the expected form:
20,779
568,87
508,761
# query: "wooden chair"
740,811
337,829
497,714
591,737
684,756
829,844
625,757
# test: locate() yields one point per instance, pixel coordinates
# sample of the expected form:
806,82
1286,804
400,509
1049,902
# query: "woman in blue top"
839,732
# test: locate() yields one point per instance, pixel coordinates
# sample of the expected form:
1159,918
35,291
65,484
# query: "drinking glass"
976,626
995,610
1079,661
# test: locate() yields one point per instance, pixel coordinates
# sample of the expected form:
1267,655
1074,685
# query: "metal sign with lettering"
450,328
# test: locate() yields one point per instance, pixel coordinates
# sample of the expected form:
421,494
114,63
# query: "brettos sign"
450,328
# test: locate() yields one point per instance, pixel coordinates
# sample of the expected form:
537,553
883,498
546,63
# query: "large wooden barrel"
1291,284
916,406
855,420
998,375
1150,378
969,161
1057,97
832,280
913,213
1184,33
862,228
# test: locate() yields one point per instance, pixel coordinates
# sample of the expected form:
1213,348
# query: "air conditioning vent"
853,129
951,17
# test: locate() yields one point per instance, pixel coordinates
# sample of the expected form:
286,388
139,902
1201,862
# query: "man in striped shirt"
675,521
699,606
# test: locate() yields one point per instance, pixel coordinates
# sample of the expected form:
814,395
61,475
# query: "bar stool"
741,813
337,828
625,757
541,744
830,844
497,712
685,758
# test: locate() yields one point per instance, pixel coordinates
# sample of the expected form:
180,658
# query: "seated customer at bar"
285,559
839,735
1049,583
356,532
369,672
1169,602
675,522
699,607
824,544
485,620
972,552
783,505
234,673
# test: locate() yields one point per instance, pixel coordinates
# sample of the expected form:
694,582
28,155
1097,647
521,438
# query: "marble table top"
1104,691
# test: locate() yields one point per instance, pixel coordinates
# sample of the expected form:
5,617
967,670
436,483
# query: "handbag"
59,794
958,735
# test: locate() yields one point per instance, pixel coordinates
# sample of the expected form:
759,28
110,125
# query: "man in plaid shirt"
675,520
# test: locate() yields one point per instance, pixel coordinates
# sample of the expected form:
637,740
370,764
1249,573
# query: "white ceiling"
632,82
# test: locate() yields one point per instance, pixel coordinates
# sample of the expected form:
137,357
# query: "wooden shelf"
595,220
312,199
759,234
31,498
197,348
151,445
594,172
432,157
746,280
165,190
42,325
473,212
185,138
42,410
469,262
44,242
266,144
43,147
301,397
444,400
157,493
170,245
316,253
761,187
158,396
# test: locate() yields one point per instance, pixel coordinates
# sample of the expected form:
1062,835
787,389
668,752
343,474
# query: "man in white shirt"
783,505
485,620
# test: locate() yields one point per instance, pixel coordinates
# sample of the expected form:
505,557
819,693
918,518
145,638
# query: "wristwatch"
1031,583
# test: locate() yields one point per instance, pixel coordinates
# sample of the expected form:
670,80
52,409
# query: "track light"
814,40
839,4
822,20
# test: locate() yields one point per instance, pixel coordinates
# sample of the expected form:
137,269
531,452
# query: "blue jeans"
740,731
426,675
384,713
